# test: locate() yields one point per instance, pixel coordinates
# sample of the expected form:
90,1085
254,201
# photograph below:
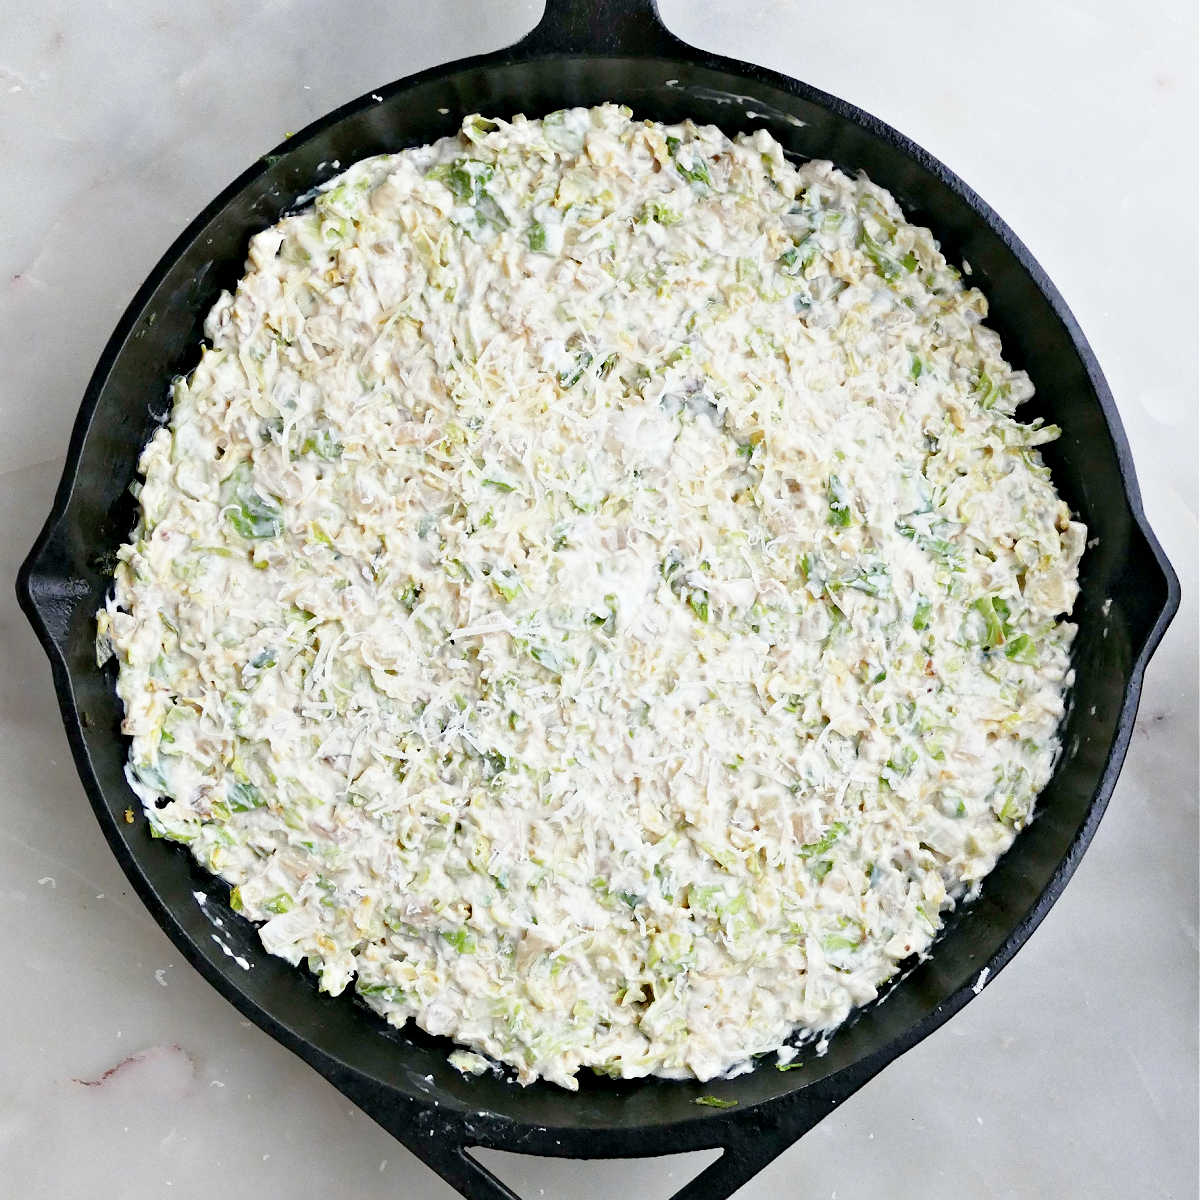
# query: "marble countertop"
1073,1073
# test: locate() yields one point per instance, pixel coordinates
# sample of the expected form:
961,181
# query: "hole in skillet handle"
443,1137
601,27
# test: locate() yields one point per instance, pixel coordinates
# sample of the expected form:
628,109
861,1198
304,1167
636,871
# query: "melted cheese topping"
594,596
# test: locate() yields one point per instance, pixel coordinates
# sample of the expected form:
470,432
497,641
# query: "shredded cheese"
594,596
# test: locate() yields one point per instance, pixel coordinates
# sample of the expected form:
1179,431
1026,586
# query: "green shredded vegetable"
249,513
244,796
572,375
824,842
839,503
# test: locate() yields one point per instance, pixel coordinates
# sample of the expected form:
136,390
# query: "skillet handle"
749,1140
718,1181
602,27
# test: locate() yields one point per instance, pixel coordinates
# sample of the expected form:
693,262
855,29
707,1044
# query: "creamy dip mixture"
593,597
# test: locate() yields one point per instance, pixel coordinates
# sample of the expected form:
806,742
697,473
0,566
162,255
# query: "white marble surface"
1073,1074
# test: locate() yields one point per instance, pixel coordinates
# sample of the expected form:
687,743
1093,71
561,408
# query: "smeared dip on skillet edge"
593,595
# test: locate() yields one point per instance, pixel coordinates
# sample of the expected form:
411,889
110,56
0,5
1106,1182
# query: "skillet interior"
1128,596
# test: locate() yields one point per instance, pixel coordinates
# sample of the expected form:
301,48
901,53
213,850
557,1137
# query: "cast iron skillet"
585,52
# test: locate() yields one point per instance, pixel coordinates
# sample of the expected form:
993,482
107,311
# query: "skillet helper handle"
601,27
49,587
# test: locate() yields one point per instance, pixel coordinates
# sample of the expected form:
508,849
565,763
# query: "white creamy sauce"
593,596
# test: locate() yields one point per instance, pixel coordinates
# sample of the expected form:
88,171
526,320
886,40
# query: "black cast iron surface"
586,53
